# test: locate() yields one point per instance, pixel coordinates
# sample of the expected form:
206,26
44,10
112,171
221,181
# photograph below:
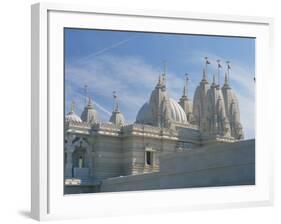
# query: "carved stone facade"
216,110
96,150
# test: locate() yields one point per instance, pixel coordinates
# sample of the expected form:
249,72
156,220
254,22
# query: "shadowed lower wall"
214,165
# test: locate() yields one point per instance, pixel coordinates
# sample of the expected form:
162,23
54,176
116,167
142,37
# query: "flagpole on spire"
228,68
219,67
72,106
207,62
115,103
186,84
164,73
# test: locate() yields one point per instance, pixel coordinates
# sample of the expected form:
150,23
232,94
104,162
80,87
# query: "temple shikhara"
173,143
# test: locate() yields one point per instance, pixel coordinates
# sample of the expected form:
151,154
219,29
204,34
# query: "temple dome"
144,115
177,113
71,116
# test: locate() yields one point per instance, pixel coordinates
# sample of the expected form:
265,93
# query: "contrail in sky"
102,108
106,49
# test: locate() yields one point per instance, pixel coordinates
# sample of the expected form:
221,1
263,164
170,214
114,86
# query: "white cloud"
134,79
131,77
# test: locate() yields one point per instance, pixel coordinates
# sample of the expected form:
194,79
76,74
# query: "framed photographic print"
148,111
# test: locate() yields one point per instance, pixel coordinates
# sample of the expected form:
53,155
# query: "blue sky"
130,63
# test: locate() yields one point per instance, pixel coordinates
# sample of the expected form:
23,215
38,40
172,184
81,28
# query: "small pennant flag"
208,62
114,95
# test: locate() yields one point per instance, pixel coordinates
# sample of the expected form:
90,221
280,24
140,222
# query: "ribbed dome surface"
177,113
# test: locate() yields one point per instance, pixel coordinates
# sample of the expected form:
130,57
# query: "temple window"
149,158
78,158
80,162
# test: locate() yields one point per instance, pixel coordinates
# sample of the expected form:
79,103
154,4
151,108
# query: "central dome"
161,110
178,115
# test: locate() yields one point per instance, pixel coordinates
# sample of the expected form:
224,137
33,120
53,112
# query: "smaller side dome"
71,116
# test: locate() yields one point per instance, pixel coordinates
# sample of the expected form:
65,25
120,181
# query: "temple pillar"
68,165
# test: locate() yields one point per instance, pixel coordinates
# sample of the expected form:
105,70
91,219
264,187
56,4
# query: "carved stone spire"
226,83
185,88
117,117
185,103
214,80
115,102
89,113
72,106
232,107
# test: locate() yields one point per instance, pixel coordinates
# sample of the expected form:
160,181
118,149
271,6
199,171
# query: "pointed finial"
164,73
227,62
72,106
185,89
214,79
164,67
159,80
115,104
207,62
163,79
204,75
228,69
219,67
225,79
90,101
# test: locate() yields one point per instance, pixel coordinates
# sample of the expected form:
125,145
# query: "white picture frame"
47,198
